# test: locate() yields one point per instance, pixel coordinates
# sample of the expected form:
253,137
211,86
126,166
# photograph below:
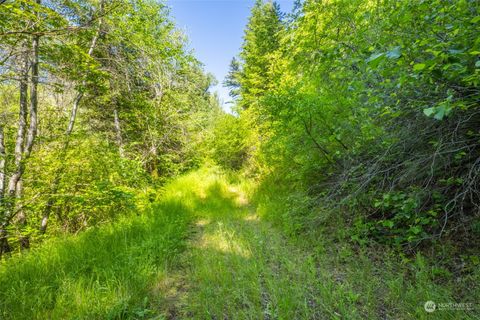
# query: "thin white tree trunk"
2,164
21,218
4,246
118,131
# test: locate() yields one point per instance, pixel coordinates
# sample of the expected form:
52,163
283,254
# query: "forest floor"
203,252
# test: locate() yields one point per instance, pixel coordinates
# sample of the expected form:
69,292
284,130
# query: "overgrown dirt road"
238,267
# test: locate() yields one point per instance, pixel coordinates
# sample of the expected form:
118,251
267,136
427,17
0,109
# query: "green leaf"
419,66
442,110
395,53
375,59
475,20
455,51
439,114
388,224
477,64
416,229
429,111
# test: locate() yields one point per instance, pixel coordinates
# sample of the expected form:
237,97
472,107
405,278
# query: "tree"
261,40
29,61
232,80
115,93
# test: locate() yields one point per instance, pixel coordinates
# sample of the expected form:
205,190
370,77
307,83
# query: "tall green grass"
108,272
102,273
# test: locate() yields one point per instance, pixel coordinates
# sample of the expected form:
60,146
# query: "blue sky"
215,31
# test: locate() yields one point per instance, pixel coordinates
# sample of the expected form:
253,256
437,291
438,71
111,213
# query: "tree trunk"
19,149
4,246
21,131
2,164
22,114
50,202
21,216
118,132
32,130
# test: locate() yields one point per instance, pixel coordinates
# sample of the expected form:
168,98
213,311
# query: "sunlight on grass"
251,217
223,240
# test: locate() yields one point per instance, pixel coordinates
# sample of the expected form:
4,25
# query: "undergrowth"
369,279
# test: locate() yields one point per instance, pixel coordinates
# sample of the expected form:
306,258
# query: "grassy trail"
201,252
238,267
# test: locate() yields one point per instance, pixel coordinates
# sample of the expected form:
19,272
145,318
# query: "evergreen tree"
261,40
232,79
